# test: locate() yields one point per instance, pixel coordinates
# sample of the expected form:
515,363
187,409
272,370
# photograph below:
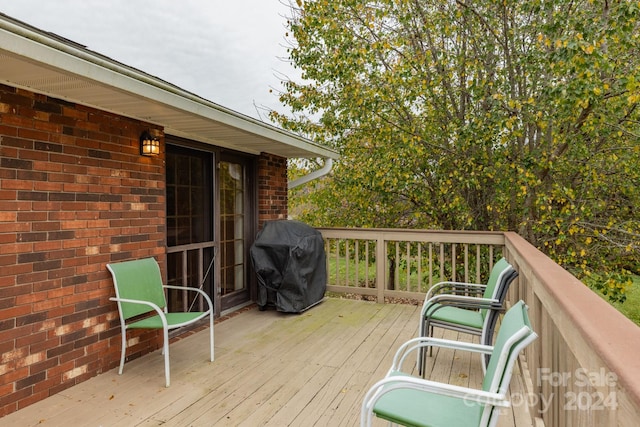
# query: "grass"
347,273
364,276
631,307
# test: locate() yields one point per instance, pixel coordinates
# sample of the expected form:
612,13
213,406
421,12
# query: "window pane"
189,196
232,219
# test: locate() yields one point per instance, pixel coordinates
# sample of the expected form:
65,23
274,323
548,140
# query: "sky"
231,52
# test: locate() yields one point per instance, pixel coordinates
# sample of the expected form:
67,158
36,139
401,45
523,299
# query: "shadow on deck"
271,369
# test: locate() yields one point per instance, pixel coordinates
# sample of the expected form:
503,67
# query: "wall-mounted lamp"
149,145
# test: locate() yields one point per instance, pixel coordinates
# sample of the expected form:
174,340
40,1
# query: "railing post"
381,268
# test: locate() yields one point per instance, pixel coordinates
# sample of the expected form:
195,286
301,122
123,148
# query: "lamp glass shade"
150,147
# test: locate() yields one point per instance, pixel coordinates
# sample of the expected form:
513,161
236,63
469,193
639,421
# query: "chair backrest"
499,279
497,272
514,334
139,280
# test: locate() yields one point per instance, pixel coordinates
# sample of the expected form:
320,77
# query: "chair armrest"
456,287
470,394
391,383
461,301
149,304
424,342
192,289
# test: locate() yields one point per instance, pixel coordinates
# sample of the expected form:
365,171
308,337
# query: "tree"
478,115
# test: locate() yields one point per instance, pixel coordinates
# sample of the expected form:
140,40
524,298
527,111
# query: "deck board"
271,369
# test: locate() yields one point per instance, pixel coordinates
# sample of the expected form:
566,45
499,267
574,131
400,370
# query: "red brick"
57,371
33,338
29,216
47,126
88,179
7,195
38,156
14,227
48,186
14,270
47,246
17,185
31,297
19,122
46,206
15,333
33,398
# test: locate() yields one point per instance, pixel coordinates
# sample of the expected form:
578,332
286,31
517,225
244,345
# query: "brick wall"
272,188
75,194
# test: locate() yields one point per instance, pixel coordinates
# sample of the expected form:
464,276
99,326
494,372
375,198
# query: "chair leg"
424,352
211,334
420,361
430,328
165,351
123,350
426,330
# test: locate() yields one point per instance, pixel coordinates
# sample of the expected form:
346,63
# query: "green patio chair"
466,307
411,401
142,304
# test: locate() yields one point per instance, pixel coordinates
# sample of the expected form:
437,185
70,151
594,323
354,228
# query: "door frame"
250,204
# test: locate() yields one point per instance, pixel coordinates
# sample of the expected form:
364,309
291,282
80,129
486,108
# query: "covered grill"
290,262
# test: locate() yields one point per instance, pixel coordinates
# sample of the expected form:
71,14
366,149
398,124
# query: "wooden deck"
271,369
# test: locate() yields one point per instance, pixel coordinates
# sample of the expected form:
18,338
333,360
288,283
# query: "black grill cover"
289,259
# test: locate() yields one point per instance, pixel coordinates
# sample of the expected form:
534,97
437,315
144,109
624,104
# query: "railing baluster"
327,252
453,262
366,265
419,289
466,262
442,276
490,255
381,267
338,262
478,260
408,287
430,265
346,262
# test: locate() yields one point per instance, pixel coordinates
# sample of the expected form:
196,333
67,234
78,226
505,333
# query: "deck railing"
584,370
394,263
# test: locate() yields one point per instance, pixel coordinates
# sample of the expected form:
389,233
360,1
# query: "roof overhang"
48,64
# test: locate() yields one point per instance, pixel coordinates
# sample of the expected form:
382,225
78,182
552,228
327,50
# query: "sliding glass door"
234,231
210,225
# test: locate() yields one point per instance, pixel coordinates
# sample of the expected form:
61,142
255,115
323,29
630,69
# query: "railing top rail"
610,335
393,234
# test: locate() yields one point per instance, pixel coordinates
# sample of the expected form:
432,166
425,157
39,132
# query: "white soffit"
47,64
